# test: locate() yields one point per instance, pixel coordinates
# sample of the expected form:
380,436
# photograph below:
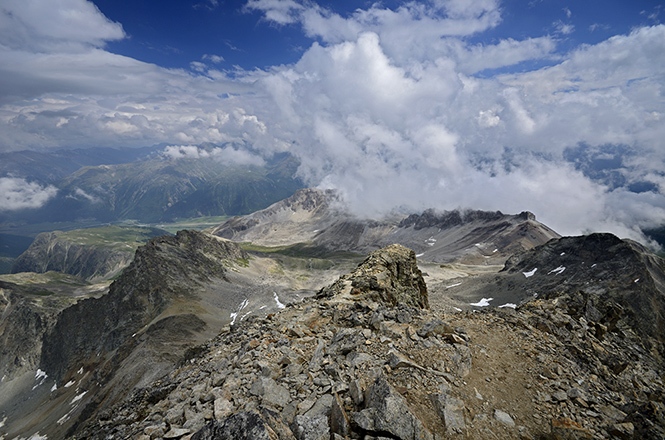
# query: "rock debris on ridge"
367,359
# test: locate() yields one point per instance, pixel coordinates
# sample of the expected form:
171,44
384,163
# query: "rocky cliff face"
365,366
29,305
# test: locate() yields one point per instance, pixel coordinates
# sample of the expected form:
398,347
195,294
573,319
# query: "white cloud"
278,11
64,25
394,107
216,59
563,28
16,193
228,154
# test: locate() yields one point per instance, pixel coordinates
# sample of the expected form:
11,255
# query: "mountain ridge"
317,216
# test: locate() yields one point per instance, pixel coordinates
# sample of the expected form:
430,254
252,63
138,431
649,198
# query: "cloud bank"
228,155
396,108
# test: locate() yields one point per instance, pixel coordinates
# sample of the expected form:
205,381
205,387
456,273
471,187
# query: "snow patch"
430,241
457,308
40,377
233,316
80,371
54,387
557,271
279,304
79,397
482,303
69,384
420,255
562,254
530,273
453,285
511,305
38,436
637,280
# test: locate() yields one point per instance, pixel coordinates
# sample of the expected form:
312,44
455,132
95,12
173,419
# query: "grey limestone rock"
451,410
271,392
387,412
311,427
504,417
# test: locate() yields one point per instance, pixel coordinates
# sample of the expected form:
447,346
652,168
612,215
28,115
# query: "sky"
550,106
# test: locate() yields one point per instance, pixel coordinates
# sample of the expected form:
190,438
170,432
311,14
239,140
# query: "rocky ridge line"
358,367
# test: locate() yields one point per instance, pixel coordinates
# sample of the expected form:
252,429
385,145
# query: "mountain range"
301,321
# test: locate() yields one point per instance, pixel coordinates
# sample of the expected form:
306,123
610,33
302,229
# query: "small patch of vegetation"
301,250
121,238
243,262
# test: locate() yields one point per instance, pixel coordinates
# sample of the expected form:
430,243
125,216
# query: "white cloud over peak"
16,193
228,154
393,107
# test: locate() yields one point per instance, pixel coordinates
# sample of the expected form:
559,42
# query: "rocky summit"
368,359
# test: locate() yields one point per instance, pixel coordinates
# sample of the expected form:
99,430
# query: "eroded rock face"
389,275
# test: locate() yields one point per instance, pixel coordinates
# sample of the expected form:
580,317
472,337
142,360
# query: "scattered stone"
451,410
504,417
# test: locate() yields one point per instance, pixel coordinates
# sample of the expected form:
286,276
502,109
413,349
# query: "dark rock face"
430,218
389,275
246,425
21,329
165,269
622,283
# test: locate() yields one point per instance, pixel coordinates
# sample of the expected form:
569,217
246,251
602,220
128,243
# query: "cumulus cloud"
16,193
393,107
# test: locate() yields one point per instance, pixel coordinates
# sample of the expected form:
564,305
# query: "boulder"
386,411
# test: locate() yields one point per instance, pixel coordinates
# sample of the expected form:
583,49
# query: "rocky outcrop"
29,305
176,293
616,284
389,275
164,271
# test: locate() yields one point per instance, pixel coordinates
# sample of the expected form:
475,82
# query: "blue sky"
550,106
173,33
